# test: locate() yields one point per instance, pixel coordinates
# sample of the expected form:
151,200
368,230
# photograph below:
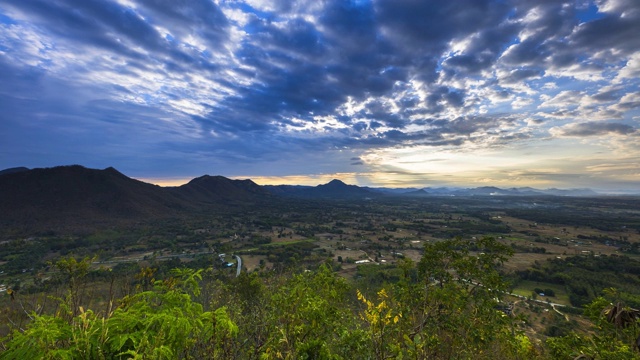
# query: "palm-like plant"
621,316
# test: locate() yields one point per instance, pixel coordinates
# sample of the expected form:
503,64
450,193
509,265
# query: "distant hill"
493,191
76,197
421,192
217,189
570,192
338,189
335,189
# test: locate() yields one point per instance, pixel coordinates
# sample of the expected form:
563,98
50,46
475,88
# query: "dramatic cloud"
594,129
288,89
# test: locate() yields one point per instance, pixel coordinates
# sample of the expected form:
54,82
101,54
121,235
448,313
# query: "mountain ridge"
75,196
336,186
335,189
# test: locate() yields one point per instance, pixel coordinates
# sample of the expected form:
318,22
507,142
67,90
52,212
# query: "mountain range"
335,189
75,194
338,189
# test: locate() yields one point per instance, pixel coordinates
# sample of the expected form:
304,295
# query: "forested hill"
74,194
68,197
216,189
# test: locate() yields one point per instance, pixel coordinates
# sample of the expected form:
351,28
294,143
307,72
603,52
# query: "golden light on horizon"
308,180
165,182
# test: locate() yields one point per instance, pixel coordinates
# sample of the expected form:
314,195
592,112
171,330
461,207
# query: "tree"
73,272
163,323
616,330
449,309
308,319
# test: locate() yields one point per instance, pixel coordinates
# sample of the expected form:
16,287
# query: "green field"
525,288
285,243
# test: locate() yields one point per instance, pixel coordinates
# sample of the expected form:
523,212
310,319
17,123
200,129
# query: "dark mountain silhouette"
440,191
13,170
71,195
338,189
216,189
75,197
421,192
335,189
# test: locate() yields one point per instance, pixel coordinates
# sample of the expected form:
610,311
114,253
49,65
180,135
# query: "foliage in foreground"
617,329
443,307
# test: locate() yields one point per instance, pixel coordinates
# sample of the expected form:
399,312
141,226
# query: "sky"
396,93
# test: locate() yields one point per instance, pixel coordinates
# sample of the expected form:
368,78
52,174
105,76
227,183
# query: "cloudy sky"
382,92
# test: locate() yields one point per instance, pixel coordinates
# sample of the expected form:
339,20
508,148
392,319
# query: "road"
239,265
554,306
538,301
136,258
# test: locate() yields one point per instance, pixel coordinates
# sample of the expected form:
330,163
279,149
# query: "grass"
525,288
284,243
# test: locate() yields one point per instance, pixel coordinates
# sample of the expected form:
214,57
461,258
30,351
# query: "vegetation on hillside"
585,277
448,305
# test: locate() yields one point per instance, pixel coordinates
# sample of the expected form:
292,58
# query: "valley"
562,250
